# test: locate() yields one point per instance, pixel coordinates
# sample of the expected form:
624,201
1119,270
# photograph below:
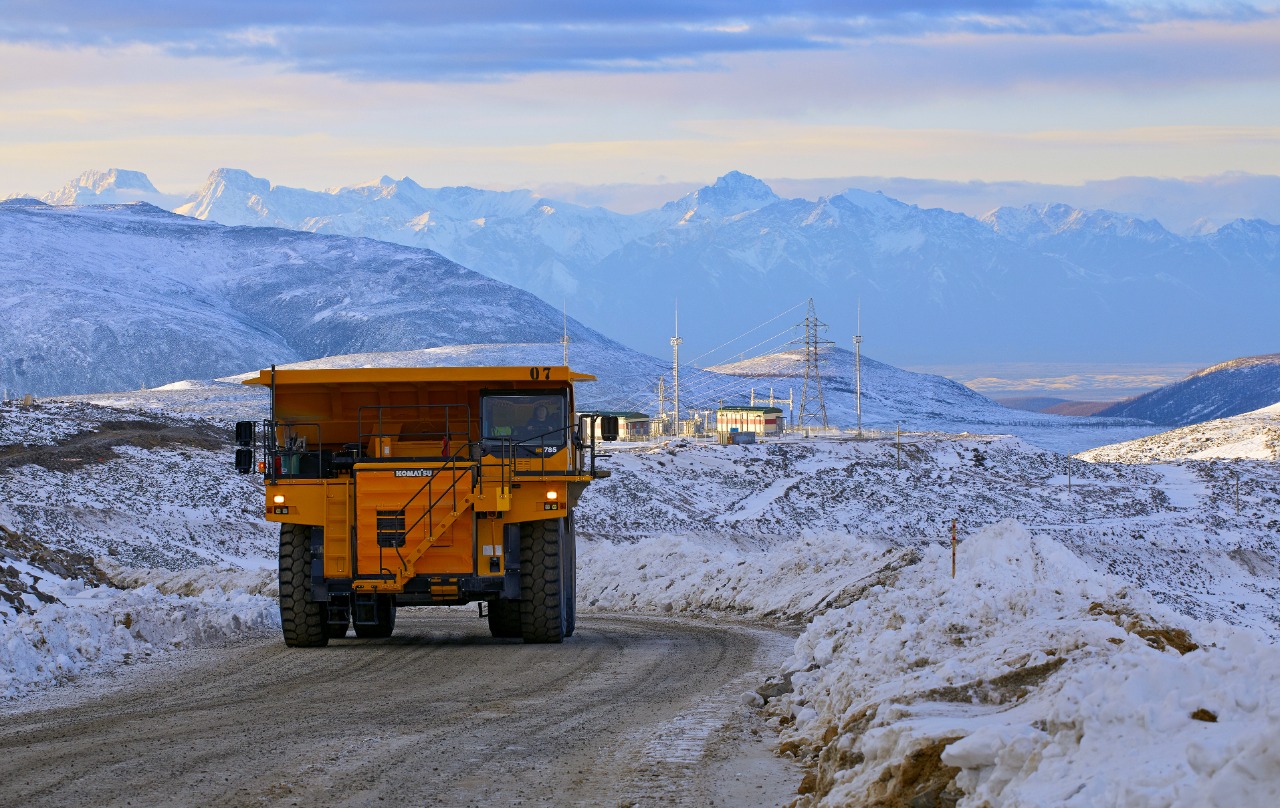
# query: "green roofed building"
631,425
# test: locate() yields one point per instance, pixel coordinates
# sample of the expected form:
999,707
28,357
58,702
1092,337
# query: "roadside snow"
1031,678
92,629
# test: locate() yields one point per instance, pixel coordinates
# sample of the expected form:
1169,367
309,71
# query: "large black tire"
304,621
543,612
386,613
504,619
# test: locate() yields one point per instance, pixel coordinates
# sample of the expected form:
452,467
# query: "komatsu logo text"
413,472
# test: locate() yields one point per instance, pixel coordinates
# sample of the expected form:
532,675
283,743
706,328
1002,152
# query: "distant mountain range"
1044,283
1226,389
121,297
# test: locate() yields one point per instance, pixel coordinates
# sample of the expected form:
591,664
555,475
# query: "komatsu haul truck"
422,486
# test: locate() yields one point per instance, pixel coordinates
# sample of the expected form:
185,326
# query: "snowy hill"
1228,388
122,297
921,402
1250,436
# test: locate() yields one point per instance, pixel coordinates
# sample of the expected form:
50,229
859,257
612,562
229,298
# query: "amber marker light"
278,499
552,495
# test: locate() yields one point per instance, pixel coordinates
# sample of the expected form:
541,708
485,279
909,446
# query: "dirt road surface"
631,711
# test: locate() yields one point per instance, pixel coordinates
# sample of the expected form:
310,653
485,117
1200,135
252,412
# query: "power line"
743,334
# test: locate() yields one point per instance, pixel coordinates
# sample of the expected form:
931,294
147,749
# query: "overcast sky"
501,94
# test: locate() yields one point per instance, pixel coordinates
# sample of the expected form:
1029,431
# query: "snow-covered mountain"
1225,389
120,297
115,186
935,285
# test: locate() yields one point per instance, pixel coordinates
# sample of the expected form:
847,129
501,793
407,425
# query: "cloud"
489,39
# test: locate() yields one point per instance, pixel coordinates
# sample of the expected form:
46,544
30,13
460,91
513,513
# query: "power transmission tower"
812,404
662,399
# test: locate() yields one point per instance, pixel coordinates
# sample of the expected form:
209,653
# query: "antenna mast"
857,367
675,373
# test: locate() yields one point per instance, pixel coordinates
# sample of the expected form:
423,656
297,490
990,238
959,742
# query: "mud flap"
511,562
319,586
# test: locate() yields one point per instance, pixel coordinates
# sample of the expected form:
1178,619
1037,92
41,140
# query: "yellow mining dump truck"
422,486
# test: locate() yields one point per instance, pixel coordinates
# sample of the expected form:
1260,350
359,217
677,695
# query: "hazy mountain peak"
730,195
875,201
237,178
112,185
99,181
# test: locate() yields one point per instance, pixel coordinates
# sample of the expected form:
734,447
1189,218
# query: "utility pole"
675,372
564,340
857,366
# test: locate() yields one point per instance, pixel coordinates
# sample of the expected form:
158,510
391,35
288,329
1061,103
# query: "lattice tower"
812,404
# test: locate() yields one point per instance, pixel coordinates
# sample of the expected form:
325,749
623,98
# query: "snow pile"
788,582
73,628
1031,680
219,579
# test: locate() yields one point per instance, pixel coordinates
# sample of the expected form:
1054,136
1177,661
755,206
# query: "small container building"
760,420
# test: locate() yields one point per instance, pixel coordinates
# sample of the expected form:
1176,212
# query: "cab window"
536,419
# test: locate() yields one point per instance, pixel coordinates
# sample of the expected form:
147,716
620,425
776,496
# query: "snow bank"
678,573
1031,680
91,629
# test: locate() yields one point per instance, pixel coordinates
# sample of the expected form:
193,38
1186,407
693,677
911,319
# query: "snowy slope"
1251,436
1228,388
117,298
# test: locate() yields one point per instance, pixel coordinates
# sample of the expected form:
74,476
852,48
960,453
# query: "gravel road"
631,711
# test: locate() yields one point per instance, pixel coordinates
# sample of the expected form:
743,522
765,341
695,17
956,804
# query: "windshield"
538,419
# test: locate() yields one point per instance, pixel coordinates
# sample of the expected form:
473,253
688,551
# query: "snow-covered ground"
1109,637
1250,436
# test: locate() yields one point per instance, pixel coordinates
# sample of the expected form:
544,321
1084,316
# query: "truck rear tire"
385,609
543,590
303,620
504,619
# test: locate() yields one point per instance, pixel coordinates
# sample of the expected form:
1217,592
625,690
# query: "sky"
504,94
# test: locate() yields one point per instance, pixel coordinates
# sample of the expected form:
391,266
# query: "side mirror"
609,427
246,431
244,460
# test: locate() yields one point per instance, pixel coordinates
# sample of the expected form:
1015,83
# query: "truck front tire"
303,621
546,581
